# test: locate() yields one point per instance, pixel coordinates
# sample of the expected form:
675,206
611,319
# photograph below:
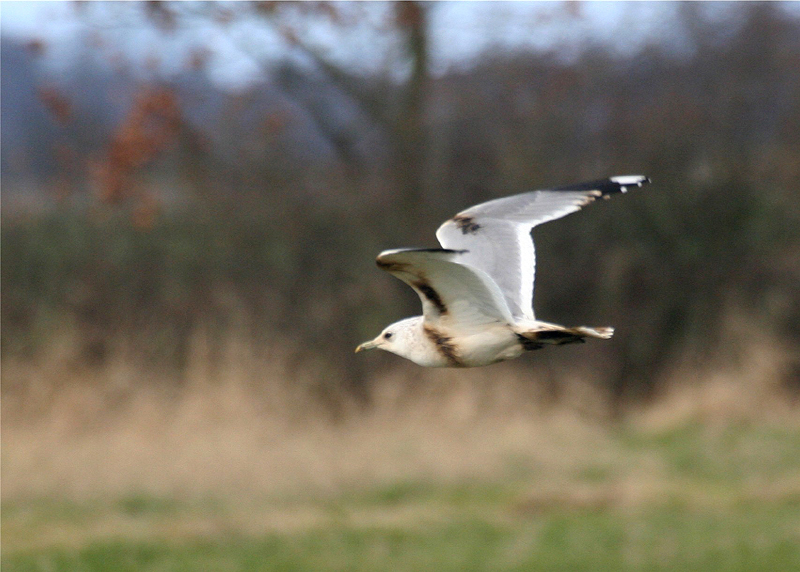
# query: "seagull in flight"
477,290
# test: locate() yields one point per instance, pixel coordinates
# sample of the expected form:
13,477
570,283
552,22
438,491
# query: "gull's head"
398,338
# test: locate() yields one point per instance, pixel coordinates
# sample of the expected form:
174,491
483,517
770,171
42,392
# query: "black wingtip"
618,184
402,250
386,262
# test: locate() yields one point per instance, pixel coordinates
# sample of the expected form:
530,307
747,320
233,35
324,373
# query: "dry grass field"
235,469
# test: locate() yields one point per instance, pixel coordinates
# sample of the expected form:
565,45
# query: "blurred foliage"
282,247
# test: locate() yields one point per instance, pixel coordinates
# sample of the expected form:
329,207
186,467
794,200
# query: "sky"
460,32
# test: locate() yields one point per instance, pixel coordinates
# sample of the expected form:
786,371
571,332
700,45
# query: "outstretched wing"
496,235
452,294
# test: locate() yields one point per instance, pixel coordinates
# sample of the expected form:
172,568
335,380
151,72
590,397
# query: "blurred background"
193,195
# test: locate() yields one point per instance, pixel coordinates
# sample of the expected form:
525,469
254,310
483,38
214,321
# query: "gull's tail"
552,334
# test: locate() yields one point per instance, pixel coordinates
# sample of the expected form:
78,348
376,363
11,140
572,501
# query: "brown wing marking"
444,345
391,266
431,294
421,283
466,224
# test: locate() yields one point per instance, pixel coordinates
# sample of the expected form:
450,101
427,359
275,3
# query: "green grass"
723,499
663,538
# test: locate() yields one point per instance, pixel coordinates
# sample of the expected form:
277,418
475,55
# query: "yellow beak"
367,346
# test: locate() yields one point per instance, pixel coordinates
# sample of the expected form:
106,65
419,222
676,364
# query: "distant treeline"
265,217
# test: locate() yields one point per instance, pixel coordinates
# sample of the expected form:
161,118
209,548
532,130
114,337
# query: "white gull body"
477,290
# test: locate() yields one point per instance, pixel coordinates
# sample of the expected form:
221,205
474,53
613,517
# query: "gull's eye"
387,336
